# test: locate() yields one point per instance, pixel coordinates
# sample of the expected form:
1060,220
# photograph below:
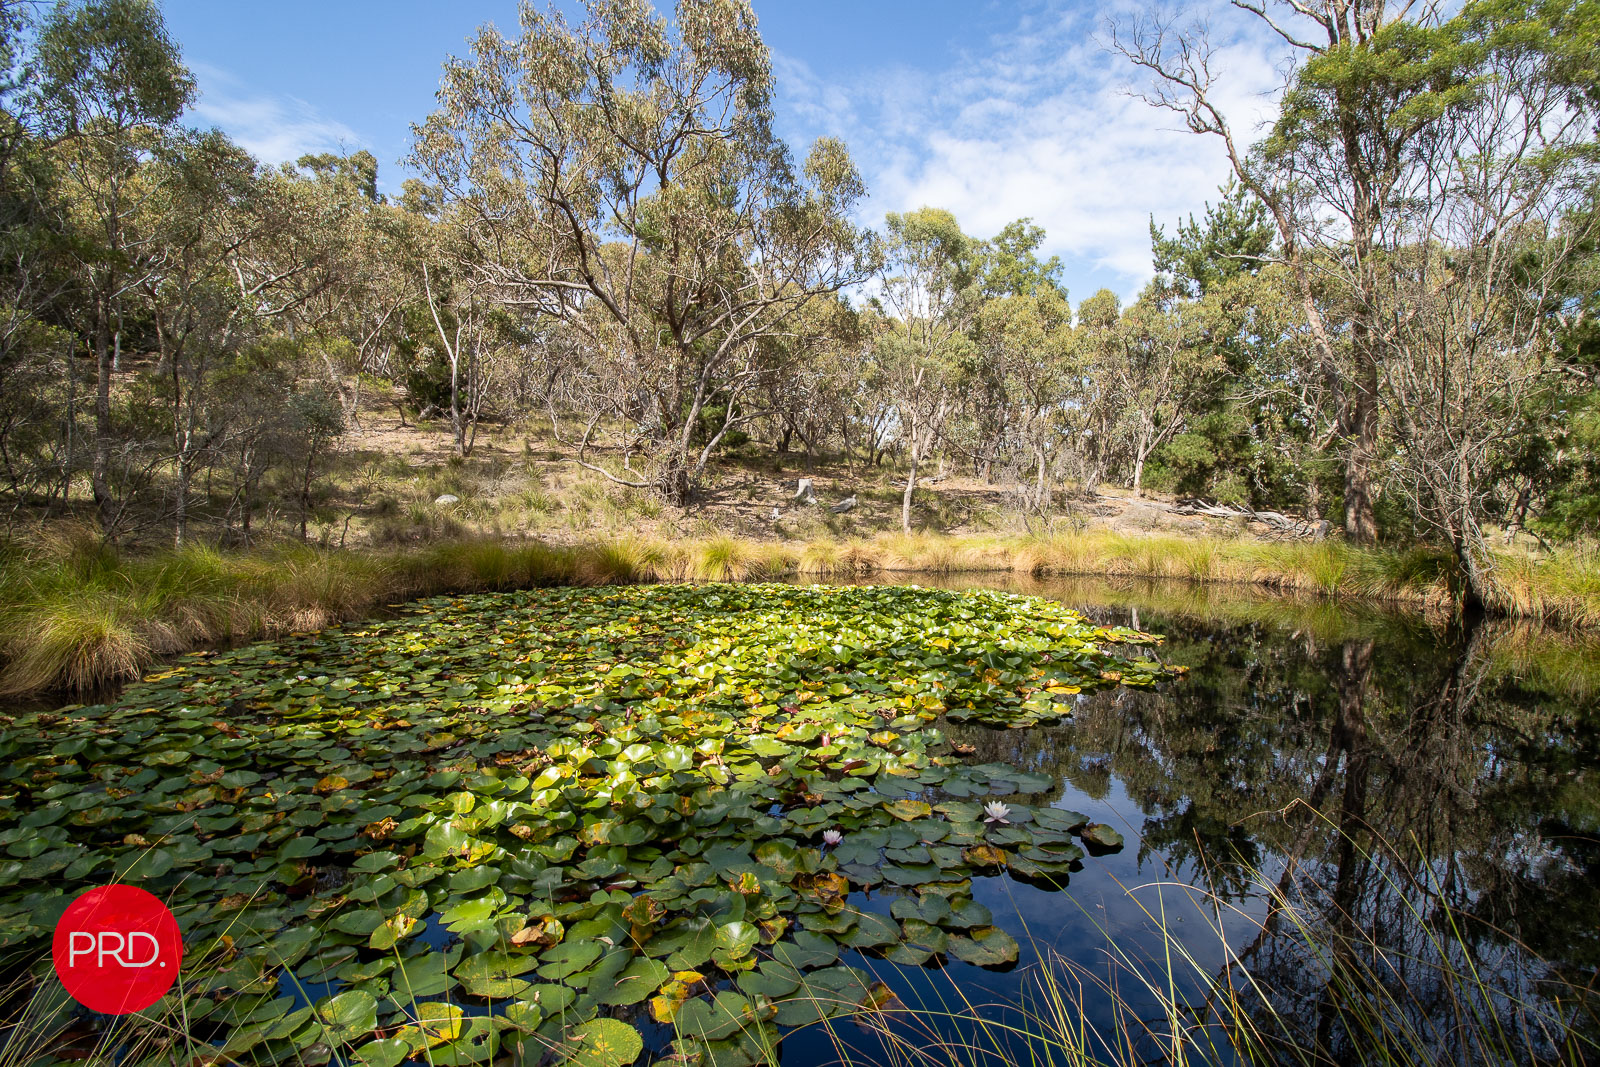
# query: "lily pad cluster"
547,821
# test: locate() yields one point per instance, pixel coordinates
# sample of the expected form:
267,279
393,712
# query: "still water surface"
1423,793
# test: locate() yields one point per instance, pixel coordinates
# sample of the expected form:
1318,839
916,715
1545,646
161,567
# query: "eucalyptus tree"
37,383
1484,247
234,255
813,374
1028,357
1156,372
324,266
189,224
1094,411
928,284
111,91
1377,110
469,329
622,174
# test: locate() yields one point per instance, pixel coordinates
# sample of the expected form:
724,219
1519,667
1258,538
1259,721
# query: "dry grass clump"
76,643
858,560
1563,585
607,563
76,615
820,558
723,559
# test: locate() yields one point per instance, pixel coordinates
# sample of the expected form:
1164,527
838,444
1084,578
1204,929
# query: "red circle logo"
117,949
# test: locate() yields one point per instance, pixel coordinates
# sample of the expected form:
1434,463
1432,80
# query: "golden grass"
75,615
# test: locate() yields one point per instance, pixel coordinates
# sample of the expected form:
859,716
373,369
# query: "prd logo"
117,949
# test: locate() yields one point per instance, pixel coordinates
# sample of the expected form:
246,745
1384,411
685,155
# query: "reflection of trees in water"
1429,816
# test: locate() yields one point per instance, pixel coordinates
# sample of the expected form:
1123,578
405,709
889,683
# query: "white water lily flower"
831,837
994,811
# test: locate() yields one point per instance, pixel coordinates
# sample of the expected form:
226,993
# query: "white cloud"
275,129
1037,123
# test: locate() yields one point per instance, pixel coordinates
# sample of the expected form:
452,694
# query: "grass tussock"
1563,586
76,615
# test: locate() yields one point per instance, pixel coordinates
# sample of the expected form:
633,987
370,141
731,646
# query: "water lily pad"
422,976
911,874
1060,819
985,856
771,980
568,958
636,983
984,946
1102,836
966,912
807,952
385,1052
781,856
872,930
723,1015
602,1043
349,1015
434,1023
494,974
734,941
909,809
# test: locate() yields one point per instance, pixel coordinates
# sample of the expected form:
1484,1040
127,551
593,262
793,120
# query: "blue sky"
992,109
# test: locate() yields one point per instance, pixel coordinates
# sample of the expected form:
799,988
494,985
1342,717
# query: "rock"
447,498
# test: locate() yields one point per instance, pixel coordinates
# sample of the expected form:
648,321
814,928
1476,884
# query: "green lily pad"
568,958
723,1015
349,1014
1102,836
771,980
602,1043
385,1052
494,974
872,930
637,982
807,952
734,942
984,946
422,976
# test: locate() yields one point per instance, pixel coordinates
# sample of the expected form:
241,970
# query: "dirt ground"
380,457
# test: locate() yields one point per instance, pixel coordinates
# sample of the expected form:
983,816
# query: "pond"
938,826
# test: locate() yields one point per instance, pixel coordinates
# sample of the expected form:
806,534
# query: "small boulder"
447,498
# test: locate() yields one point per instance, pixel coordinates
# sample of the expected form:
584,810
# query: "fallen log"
1277,520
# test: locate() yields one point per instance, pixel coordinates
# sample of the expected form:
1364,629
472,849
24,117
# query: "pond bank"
78,615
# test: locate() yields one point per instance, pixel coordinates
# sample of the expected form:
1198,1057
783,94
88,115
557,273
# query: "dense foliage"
520,817
1387,319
